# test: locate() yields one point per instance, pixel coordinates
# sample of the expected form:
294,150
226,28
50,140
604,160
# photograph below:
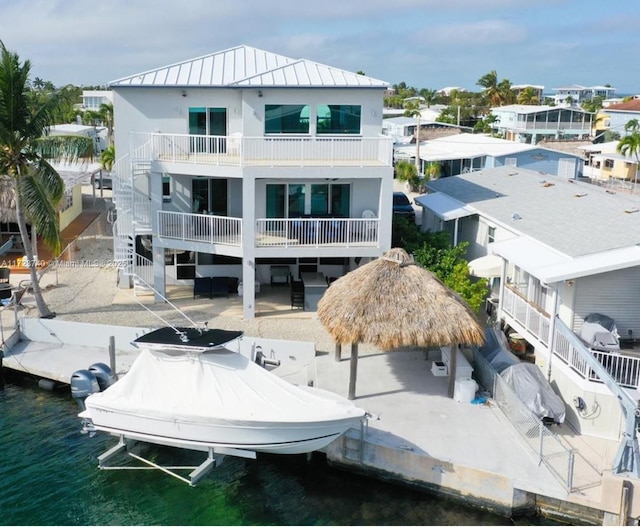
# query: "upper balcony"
271,232
267,151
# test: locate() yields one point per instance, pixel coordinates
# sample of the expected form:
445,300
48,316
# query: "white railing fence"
200,228
237,150
533,320
317,232
625,370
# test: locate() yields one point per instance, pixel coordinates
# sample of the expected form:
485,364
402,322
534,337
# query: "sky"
425,43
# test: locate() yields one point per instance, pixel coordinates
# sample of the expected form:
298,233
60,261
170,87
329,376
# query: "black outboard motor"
83,384
103,374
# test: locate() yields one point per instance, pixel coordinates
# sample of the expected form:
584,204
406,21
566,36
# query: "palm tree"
36,187
106,114
491,90
108,157
629,145
528,96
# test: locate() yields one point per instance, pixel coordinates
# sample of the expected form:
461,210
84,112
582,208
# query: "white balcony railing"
200,228
625,370
317,232
241,151
536,322
272,232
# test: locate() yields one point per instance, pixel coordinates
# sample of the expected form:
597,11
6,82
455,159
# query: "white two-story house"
241,161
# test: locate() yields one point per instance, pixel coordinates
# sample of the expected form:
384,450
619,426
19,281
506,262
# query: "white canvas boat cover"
221,386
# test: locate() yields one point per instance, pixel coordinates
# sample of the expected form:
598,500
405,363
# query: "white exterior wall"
165,110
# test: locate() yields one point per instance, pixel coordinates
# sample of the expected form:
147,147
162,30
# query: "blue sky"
425,43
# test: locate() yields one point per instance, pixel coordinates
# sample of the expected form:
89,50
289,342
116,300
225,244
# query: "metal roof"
466,146
244,66
573,218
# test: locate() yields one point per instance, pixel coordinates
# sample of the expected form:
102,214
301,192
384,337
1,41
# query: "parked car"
402,206
103,181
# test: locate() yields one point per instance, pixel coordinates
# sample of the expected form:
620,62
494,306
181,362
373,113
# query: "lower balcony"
271,232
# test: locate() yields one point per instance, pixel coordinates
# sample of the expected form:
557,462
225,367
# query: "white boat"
187,390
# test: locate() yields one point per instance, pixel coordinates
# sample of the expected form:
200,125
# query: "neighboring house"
93,99
567,249
471,152
448,90
403,129
575,94
244,162
620,114
603,162
74,176
97,133
533,123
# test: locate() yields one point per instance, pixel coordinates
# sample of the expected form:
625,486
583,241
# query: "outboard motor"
103,374
83,384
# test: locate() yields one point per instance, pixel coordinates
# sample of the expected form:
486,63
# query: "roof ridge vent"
581,195
631,210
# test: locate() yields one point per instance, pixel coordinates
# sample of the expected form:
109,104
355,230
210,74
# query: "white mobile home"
568,249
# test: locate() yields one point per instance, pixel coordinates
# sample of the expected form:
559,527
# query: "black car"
402,206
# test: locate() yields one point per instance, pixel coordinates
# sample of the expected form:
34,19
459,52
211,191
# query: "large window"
315,199
286,119
338,119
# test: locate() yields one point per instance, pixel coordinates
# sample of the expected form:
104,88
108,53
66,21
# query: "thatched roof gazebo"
393,302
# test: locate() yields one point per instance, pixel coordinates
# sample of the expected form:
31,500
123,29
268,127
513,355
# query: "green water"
49,476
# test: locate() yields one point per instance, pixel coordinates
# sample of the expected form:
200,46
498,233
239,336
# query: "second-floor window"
286,119
338,119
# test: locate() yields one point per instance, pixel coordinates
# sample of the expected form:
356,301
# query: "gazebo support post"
353,371
453,367
338,352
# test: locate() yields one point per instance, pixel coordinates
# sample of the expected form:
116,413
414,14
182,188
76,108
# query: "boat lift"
215,456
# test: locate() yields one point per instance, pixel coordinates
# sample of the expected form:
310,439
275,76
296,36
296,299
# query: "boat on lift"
189,389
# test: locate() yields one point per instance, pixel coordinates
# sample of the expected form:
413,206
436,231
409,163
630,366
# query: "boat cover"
214,387
525,379
599,332
529,383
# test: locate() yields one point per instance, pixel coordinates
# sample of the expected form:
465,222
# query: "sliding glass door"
208,122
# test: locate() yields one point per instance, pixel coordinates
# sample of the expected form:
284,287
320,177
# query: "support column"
248,246
155,193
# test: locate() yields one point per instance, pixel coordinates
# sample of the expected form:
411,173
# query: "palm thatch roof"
393,302
7,199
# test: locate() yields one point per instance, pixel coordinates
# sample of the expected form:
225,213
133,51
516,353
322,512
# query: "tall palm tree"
491,90
36,187
528,96
106,113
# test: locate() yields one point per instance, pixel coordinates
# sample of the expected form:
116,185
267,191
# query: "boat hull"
274,438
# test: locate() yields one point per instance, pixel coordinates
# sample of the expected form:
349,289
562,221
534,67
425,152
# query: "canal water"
49,476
